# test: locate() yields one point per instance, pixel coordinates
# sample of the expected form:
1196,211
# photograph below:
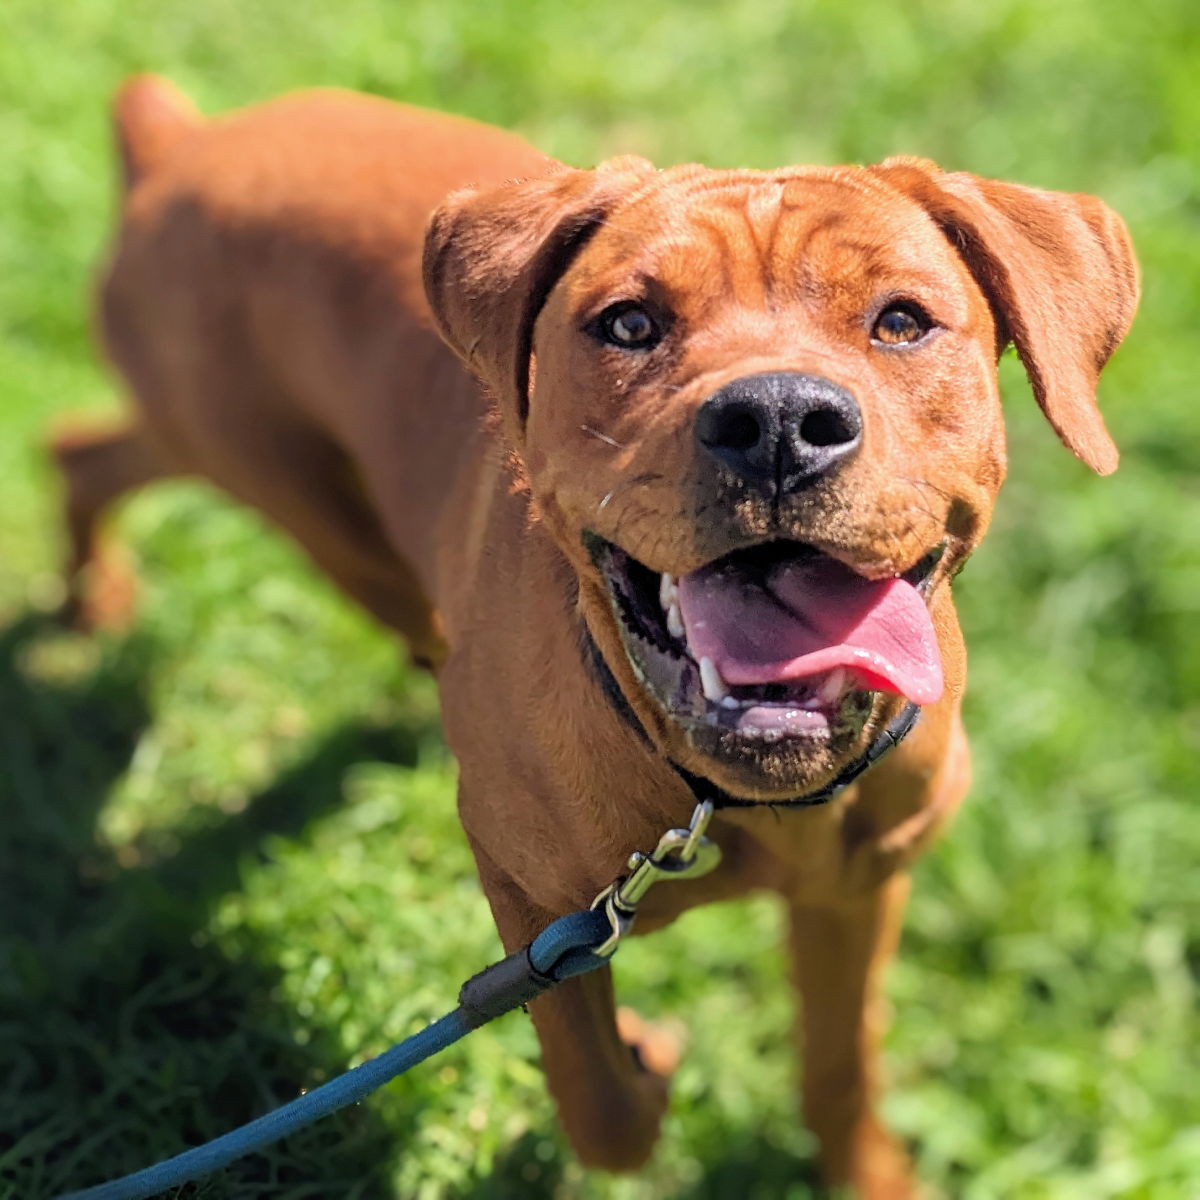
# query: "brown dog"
741,430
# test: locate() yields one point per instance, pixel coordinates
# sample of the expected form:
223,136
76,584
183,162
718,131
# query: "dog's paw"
657,1045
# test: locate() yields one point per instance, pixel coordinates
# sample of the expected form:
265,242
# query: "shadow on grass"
126,1037
743,1164
752,1167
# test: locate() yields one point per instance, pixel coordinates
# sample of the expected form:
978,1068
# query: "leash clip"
680,854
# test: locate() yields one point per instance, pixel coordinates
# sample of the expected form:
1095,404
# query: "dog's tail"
150,118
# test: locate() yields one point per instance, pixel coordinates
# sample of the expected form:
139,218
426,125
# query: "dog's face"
758,412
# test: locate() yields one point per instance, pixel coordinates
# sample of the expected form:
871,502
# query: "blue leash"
572,945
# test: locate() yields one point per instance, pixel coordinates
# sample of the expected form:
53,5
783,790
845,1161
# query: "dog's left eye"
901,325
629,326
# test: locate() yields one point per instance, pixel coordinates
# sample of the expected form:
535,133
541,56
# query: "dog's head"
758,412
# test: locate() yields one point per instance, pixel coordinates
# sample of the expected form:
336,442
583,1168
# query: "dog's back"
264,304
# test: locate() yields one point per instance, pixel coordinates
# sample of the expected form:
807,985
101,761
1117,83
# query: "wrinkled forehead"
754,236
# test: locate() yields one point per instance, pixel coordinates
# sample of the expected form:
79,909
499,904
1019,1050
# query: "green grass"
229,863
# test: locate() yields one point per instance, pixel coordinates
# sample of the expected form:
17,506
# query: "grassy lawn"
229,861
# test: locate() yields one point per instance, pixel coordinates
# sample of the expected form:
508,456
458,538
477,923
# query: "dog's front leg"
609,1103
838,957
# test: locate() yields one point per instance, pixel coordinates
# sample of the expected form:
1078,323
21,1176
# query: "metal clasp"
680,854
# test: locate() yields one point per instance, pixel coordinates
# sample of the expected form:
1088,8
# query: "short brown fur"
265,303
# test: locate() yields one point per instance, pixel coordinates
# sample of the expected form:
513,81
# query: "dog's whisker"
611,441
627,485
925,483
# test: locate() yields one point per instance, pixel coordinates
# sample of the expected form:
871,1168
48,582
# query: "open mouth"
777,643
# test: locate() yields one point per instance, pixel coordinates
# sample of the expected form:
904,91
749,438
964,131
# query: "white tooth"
729,702
833,687
668,592
675,621
711,682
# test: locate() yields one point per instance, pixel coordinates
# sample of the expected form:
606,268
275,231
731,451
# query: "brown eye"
629,326
901,325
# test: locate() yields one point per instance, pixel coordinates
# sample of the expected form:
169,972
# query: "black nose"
780,431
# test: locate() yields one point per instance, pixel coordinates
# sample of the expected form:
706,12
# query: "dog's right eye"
627,325
901,324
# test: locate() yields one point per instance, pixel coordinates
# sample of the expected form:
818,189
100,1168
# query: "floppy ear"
1060,275
492,257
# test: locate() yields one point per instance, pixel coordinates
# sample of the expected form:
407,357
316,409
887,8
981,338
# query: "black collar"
888,739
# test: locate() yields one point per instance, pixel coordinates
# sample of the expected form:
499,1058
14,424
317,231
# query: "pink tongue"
808,618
